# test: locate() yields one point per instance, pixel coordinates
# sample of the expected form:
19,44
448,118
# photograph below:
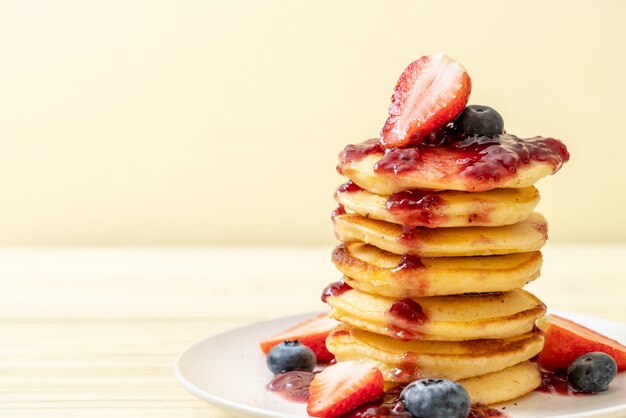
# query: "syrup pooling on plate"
416,207
556,383
292,386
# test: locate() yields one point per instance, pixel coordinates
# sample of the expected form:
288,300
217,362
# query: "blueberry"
436,398
289,356
479,120
592,372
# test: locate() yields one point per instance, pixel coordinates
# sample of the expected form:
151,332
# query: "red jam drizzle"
408,262
407,369
335,289
341,210
494,158
482,411
405,313
387,406
398,160
416,207
349,187
483,158
409,236
556,383
408,310
292,386
355,152
408,271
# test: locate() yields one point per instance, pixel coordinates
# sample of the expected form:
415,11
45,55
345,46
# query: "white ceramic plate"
228,370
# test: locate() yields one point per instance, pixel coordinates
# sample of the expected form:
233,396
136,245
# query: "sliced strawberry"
431,92
311,333
344,386
566,341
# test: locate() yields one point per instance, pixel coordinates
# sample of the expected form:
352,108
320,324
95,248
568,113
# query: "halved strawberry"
431,92
311,333
344,386
566,340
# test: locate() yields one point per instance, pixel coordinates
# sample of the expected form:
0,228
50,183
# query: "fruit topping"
344,386
290,356
436,398
431,92
566,340
311,333
592,372
480,120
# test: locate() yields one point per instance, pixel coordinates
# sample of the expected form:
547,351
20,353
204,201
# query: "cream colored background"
202,122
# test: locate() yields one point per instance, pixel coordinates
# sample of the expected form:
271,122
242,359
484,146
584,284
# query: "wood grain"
94,333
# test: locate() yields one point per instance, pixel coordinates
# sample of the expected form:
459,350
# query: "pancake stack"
438,240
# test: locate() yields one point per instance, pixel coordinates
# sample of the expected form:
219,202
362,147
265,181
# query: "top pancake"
459,163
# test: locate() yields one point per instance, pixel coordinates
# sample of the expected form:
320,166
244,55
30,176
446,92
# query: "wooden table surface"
95,332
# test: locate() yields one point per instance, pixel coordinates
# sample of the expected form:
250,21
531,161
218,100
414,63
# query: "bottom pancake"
504,385
405,361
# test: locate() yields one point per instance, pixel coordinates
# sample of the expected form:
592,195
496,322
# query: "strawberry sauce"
356,152
349,187
408,262
416,207
483,158
555,383
335,289
403,315
341,210
292,386
398,160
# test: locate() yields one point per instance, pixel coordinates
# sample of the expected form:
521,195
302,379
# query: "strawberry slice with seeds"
566,340
312,333
431,92
344,386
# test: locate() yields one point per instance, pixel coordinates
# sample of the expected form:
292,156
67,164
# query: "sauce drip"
292,386
355,152
403,316
408,262
335,289
349,187
341,210
408,310
416,207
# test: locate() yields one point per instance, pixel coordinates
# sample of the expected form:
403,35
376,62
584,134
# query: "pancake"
528,235
441,209
405,361
503,385
372,270
471,164
437,318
